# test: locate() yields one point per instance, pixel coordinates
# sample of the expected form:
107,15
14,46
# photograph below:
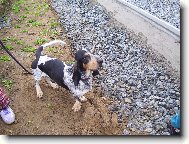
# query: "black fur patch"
95,73
37,54
76,76
34,64
81,59
55,70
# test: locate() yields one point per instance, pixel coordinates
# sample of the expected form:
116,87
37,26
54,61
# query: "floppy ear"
76,75
96,72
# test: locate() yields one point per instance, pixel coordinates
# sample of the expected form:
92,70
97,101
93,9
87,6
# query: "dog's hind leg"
54,85
38,89
37,76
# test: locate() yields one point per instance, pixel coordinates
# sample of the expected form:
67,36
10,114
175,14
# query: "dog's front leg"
77,106
54,85
38,89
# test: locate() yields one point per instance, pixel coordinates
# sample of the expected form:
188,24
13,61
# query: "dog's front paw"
77,106
83,99
54,85
40,94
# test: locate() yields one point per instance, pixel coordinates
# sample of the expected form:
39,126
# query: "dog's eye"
85,60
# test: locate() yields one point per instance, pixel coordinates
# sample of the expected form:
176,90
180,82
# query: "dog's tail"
40,49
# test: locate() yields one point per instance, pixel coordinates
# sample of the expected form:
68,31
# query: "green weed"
37,14
9,39
44,32
54,32
9,47
54,24
16,8
40,41
28,49
4,58
2,1
24,31
12,39
19,42
17,26
31,21
46,6
70,62
26,8
7,83
34,22
37,24
51,49
23,17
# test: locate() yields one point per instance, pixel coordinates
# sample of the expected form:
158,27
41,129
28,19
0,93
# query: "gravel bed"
144,88
167,10
5,22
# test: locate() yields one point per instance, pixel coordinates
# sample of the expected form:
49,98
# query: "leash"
3,46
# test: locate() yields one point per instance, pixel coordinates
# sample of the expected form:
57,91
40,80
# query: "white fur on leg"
54,85
83,99
39,91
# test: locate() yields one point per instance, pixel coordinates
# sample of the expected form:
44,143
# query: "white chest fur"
82,88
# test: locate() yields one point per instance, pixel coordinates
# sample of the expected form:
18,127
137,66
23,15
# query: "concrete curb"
163,24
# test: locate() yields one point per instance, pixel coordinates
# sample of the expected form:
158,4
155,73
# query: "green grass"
54,24
70,62
31,21
24,31
26,8
54,32
11,40
23,17
19,42
16,8
29,49
40,41
37,24
51,49
21,2
7,83
46,6
44,32
2,1
6,39
4,58
38,14
17,26
34,23
9,47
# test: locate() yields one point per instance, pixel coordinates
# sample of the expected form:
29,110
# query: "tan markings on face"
92,64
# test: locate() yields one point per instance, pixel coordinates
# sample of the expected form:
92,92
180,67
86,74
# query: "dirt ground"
53,114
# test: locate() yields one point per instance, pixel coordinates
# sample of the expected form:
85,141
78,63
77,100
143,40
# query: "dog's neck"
85,75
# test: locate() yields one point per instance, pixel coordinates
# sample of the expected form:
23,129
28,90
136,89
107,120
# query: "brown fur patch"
91,65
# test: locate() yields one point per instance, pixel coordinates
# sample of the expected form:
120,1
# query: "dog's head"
86,61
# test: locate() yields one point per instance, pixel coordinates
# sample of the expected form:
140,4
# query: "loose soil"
53,114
